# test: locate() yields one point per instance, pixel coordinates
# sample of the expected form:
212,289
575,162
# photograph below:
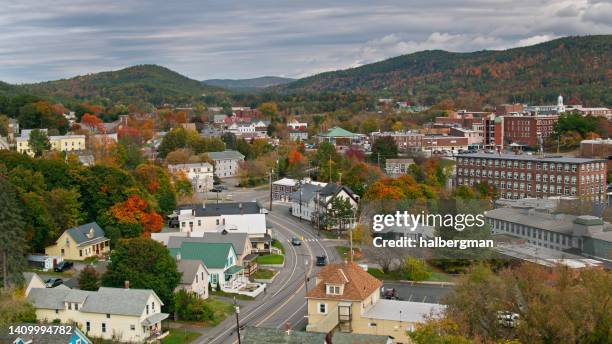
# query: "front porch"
153,325
236,282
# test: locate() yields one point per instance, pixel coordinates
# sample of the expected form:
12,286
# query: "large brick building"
407,141
526,130
521,176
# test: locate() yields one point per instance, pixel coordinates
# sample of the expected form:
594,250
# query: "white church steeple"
560,106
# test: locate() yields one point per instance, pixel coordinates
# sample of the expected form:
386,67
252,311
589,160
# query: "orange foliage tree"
135,210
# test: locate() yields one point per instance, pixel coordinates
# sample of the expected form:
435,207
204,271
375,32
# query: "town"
444,198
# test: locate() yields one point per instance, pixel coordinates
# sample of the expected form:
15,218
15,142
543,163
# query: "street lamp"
237,320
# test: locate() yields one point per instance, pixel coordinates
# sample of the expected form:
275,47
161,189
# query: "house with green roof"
220,260
340,137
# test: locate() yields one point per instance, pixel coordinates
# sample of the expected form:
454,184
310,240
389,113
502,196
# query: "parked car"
321,260
63,266
215,189
390,294
296,242
53,282
174,223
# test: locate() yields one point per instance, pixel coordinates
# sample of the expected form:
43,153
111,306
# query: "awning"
154,319
233,270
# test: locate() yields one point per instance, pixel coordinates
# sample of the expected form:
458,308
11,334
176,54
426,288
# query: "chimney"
126,284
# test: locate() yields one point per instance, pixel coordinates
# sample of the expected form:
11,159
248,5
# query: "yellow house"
125,315
67,143
80,243
347,299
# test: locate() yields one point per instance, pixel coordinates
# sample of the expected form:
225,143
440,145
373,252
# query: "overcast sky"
45,40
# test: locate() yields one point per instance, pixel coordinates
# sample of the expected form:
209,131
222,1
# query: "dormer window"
333,289
90,234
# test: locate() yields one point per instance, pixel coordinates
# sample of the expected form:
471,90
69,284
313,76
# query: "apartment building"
397,167
227,163
407,141
199,174
521,176
61,143
527,130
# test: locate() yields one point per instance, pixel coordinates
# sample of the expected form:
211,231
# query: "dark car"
53,282
390,294
216,189
321,260
296,242
174,223
63,266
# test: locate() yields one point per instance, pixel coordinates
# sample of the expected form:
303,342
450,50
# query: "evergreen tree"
12,235
89,279
39,142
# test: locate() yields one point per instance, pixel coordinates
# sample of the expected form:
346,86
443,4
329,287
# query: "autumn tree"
92,123
135,217
269,111
64,207
383,148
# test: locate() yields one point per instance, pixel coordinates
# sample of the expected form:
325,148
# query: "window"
107,316
103,328
147,309
69,305
76,306
153,303
87,326
322,308
333,289
80,253
133,327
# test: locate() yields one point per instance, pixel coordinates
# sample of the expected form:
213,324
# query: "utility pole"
271,171
237,320
330,171
340,178
351,241
306,279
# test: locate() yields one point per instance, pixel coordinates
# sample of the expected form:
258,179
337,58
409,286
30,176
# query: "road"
284,300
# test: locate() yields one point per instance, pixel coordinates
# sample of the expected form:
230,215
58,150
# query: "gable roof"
117,301
238,240
188,269
358,284
308,190
212,255
226,155
88,233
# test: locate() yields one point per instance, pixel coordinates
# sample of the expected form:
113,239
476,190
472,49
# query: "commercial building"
521,176
433,143
282,189
346,299
475,138
407,141
397,167
227,163
586,235
528,130
340,137
199,174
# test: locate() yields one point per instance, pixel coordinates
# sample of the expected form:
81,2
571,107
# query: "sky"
47,40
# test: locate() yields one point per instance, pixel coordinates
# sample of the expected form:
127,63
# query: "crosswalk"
305,240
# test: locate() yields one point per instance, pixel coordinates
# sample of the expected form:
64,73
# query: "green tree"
4,124
173,140
145,263
12,235
14,308
415,269
340,214
39,142
89,279
64,207
383,148
191,308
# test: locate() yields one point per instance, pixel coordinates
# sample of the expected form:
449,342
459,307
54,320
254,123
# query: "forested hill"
133,85
580,68
248,84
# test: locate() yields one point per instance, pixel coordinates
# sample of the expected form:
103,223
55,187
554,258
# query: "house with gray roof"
314,200
128,315
227,163
80,243
194,277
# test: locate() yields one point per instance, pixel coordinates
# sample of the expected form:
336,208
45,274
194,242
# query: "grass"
231,295
343,251
221,310
263,274
271,259
179,336
278,245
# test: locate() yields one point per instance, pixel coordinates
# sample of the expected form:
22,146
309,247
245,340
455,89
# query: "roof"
118,301
188,269
400,161
525,157
238,240
226,155
212,255
305,193
338,132
192,165
414,312
29,276
219,209
154,319
358,283
48,298
263,335
356,338
89,232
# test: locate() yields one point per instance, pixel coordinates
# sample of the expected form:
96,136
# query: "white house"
297,125
128,315
199,174
194,276
311,199
227,163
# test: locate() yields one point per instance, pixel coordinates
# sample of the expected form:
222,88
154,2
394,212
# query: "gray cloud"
46,39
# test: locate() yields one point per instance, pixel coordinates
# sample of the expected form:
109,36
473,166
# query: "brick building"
521,176
526,129
442,142
407,141
506,109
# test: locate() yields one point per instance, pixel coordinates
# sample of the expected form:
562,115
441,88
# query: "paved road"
284,300
419,292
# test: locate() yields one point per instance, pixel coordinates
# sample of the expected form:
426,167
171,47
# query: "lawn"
271,259
343,251
231,295
263,274
221,310
179,336
278,245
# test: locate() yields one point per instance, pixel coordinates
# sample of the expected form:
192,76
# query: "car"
296,242
174,223
53,282
390,294
215,189
321,260
221,187
63,266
